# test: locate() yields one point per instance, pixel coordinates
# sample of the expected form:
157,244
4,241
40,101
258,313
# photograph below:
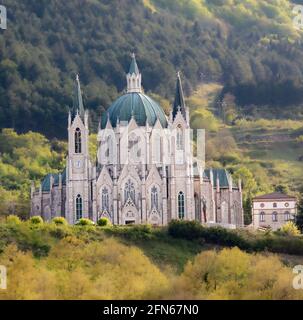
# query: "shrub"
274,242
85,222
103,222
289,229
136,232
225,237
36,220
240,275
40,249
59,232
59,221
185,229
13,219
193,230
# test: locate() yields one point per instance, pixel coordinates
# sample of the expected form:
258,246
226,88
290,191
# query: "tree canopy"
249,46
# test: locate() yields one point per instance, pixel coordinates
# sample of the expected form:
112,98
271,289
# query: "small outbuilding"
273,210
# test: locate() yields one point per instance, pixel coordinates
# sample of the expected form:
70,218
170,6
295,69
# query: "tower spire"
133,68
133,77
77,98
179,102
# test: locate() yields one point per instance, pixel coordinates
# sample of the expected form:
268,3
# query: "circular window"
262,205
286,204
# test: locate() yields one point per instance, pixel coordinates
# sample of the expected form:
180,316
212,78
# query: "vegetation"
103,222
249,46
59,221
290,229
36,220
242,68
76,262
236,84
233,274
25,158
245,240
85,222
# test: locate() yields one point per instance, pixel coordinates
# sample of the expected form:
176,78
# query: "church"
145,171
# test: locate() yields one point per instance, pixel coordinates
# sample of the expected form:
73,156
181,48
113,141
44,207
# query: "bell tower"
181,191
79,170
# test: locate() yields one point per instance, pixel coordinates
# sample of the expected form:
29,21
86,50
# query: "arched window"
275,205
78,146
262,216
109,147
287,216
154,198
181,209
156,148
78,207
134,148
197,208
129,191
179,138
275,216
105,200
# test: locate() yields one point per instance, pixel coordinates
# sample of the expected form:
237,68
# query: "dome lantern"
134,104
133,77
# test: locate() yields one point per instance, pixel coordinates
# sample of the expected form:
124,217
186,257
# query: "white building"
273,210
145,171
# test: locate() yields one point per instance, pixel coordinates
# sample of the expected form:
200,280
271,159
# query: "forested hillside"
248,46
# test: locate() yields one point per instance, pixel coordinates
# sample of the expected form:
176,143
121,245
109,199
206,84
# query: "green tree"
249,190
299,217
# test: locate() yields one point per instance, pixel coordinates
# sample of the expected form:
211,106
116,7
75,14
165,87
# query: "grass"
275,149
167,252
162,249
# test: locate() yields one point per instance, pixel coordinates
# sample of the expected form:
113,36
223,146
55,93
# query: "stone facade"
273,210
145,170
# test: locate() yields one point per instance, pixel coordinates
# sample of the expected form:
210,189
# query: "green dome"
138,105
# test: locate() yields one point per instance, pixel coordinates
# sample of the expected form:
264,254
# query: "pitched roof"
273,196
133,68
46,181
220,174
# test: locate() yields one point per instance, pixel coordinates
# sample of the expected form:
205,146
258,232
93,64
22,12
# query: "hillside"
89,262
227,51
247,46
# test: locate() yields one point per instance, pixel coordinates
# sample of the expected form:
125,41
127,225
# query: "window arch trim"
181,205
105,199
154,198
78,141
275,216
79,207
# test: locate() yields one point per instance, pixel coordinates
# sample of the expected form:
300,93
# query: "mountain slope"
249,46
